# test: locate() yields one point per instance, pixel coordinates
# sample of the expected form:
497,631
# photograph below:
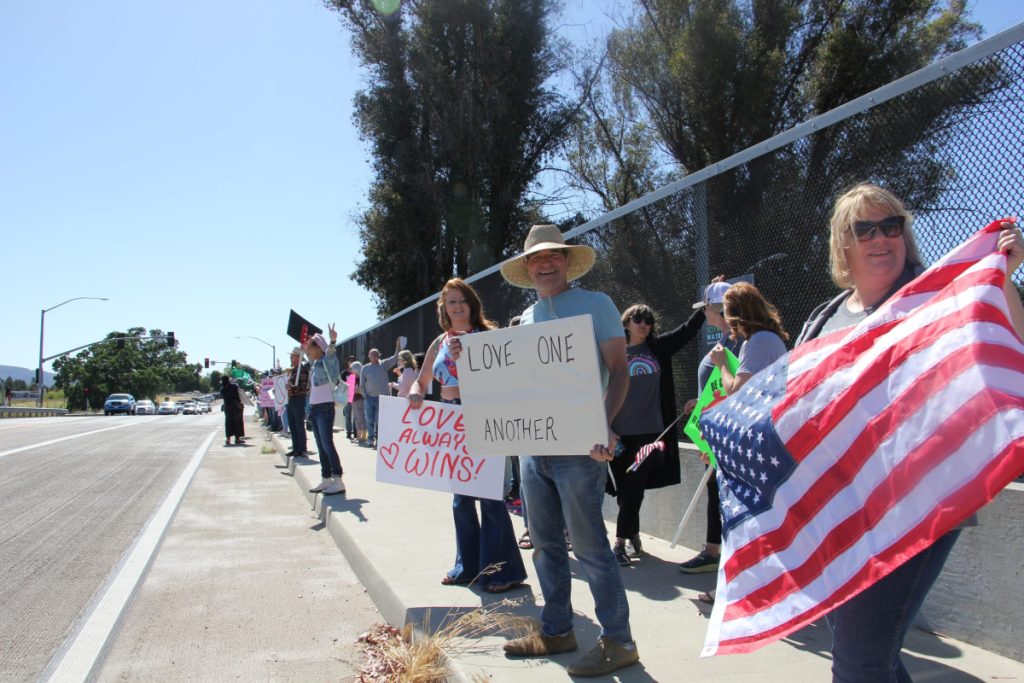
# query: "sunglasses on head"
891,226
643,318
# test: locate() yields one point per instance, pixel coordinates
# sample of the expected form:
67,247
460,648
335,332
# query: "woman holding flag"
873,255
649,407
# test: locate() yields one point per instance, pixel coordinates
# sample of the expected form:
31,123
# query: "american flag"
855,451
644,453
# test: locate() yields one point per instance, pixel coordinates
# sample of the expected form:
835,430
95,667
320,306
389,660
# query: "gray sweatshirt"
373,379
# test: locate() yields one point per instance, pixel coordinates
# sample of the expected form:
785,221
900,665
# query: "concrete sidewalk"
400,542
244,587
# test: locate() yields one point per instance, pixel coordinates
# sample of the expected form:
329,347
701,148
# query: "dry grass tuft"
411,656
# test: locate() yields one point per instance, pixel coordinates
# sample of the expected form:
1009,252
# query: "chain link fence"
945,139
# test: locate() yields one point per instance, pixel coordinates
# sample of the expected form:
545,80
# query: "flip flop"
524,541
449,581
706,598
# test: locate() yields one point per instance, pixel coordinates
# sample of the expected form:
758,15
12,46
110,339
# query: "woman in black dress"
233,426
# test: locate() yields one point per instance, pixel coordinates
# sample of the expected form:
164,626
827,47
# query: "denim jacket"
327,370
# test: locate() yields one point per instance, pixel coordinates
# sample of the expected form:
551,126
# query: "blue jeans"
868,631
322,417
481,542
349,426
296,412
372,407
567,492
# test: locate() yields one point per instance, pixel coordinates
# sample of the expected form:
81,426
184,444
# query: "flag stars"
774,461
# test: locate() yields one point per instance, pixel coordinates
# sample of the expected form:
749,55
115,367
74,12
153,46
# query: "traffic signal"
171,341
234,363
206,362
120,344
35,376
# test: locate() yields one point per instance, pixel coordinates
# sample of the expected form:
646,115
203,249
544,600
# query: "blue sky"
194,162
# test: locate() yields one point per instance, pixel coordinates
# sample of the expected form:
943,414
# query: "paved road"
141,548
74,493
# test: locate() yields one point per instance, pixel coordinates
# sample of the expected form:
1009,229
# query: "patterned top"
444,368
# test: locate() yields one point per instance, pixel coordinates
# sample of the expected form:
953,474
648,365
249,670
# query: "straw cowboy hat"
581,257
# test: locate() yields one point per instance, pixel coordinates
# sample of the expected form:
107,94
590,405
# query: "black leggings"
630,486
714,513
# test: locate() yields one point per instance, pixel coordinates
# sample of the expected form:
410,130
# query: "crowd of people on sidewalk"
873,254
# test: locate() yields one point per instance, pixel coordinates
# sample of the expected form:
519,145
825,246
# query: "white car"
189,408
145,407
167,408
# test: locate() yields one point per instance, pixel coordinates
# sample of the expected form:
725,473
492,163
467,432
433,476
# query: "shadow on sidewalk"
338,504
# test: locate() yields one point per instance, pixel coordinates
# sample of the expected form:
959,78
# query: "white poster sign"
533,389
426,449
280,393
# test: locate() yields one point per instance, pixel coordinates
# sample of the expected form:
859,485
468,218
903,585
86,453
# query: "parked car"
145,407
167,408
119,403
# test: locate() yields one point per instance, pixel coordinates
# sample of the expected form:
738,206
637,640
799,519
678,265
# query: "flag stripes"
896,430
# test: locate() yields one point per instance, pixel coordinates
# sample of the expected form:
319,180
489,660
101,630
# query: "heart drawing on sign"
389,454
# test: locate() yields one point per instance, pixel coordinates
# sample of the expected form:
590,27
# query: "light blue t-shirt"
576,301
761,350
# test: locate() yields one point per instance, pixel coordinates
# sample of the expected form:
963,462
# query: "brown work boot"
537,644
606,657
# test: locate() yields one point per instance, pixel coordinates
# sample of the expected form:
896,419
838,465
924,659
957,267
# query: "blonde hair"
848,209
407,358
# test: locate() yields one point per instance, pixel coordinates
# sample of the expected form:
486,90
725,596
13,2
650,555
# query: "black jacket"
664,346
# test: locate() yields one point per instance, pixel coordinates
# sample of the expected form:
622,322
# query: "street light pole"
42,327
273,351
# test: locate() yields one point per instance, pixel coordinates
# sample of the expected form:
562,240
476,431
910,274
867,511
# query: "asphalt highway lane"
74,495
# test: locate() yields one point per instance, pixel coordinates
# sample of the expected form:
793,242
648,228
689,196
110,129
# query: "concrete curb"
398,542
392,608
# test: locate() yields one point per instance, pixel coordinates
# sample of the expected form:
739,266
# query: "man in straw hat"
573,486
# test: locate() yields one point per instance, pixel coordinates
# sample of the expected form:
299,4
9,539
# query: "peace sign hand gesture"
332,333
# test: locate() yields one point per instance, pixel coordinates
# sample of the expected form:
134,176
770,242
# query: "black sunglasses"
891,226
643,318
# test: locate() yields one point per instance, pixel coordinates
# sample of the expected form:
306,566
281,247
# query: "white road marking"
66,438
85,648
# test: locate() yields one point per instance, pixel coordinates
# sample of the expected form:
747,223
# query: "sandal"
501,587
451,581
524,541
706,598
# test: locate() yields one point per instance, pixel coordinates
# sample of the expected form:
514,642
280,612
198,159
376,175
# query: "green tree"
460,116
138,366
714,77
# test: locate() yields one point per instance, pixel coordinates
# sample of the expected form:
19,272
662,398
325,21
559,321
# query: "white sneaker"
324,484
338,486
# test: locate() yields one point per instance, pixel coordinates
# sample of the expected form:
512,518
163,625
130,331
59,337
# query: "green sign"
713,393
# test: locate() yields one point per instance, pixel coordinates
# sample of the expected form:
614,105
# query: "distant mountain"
24,374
